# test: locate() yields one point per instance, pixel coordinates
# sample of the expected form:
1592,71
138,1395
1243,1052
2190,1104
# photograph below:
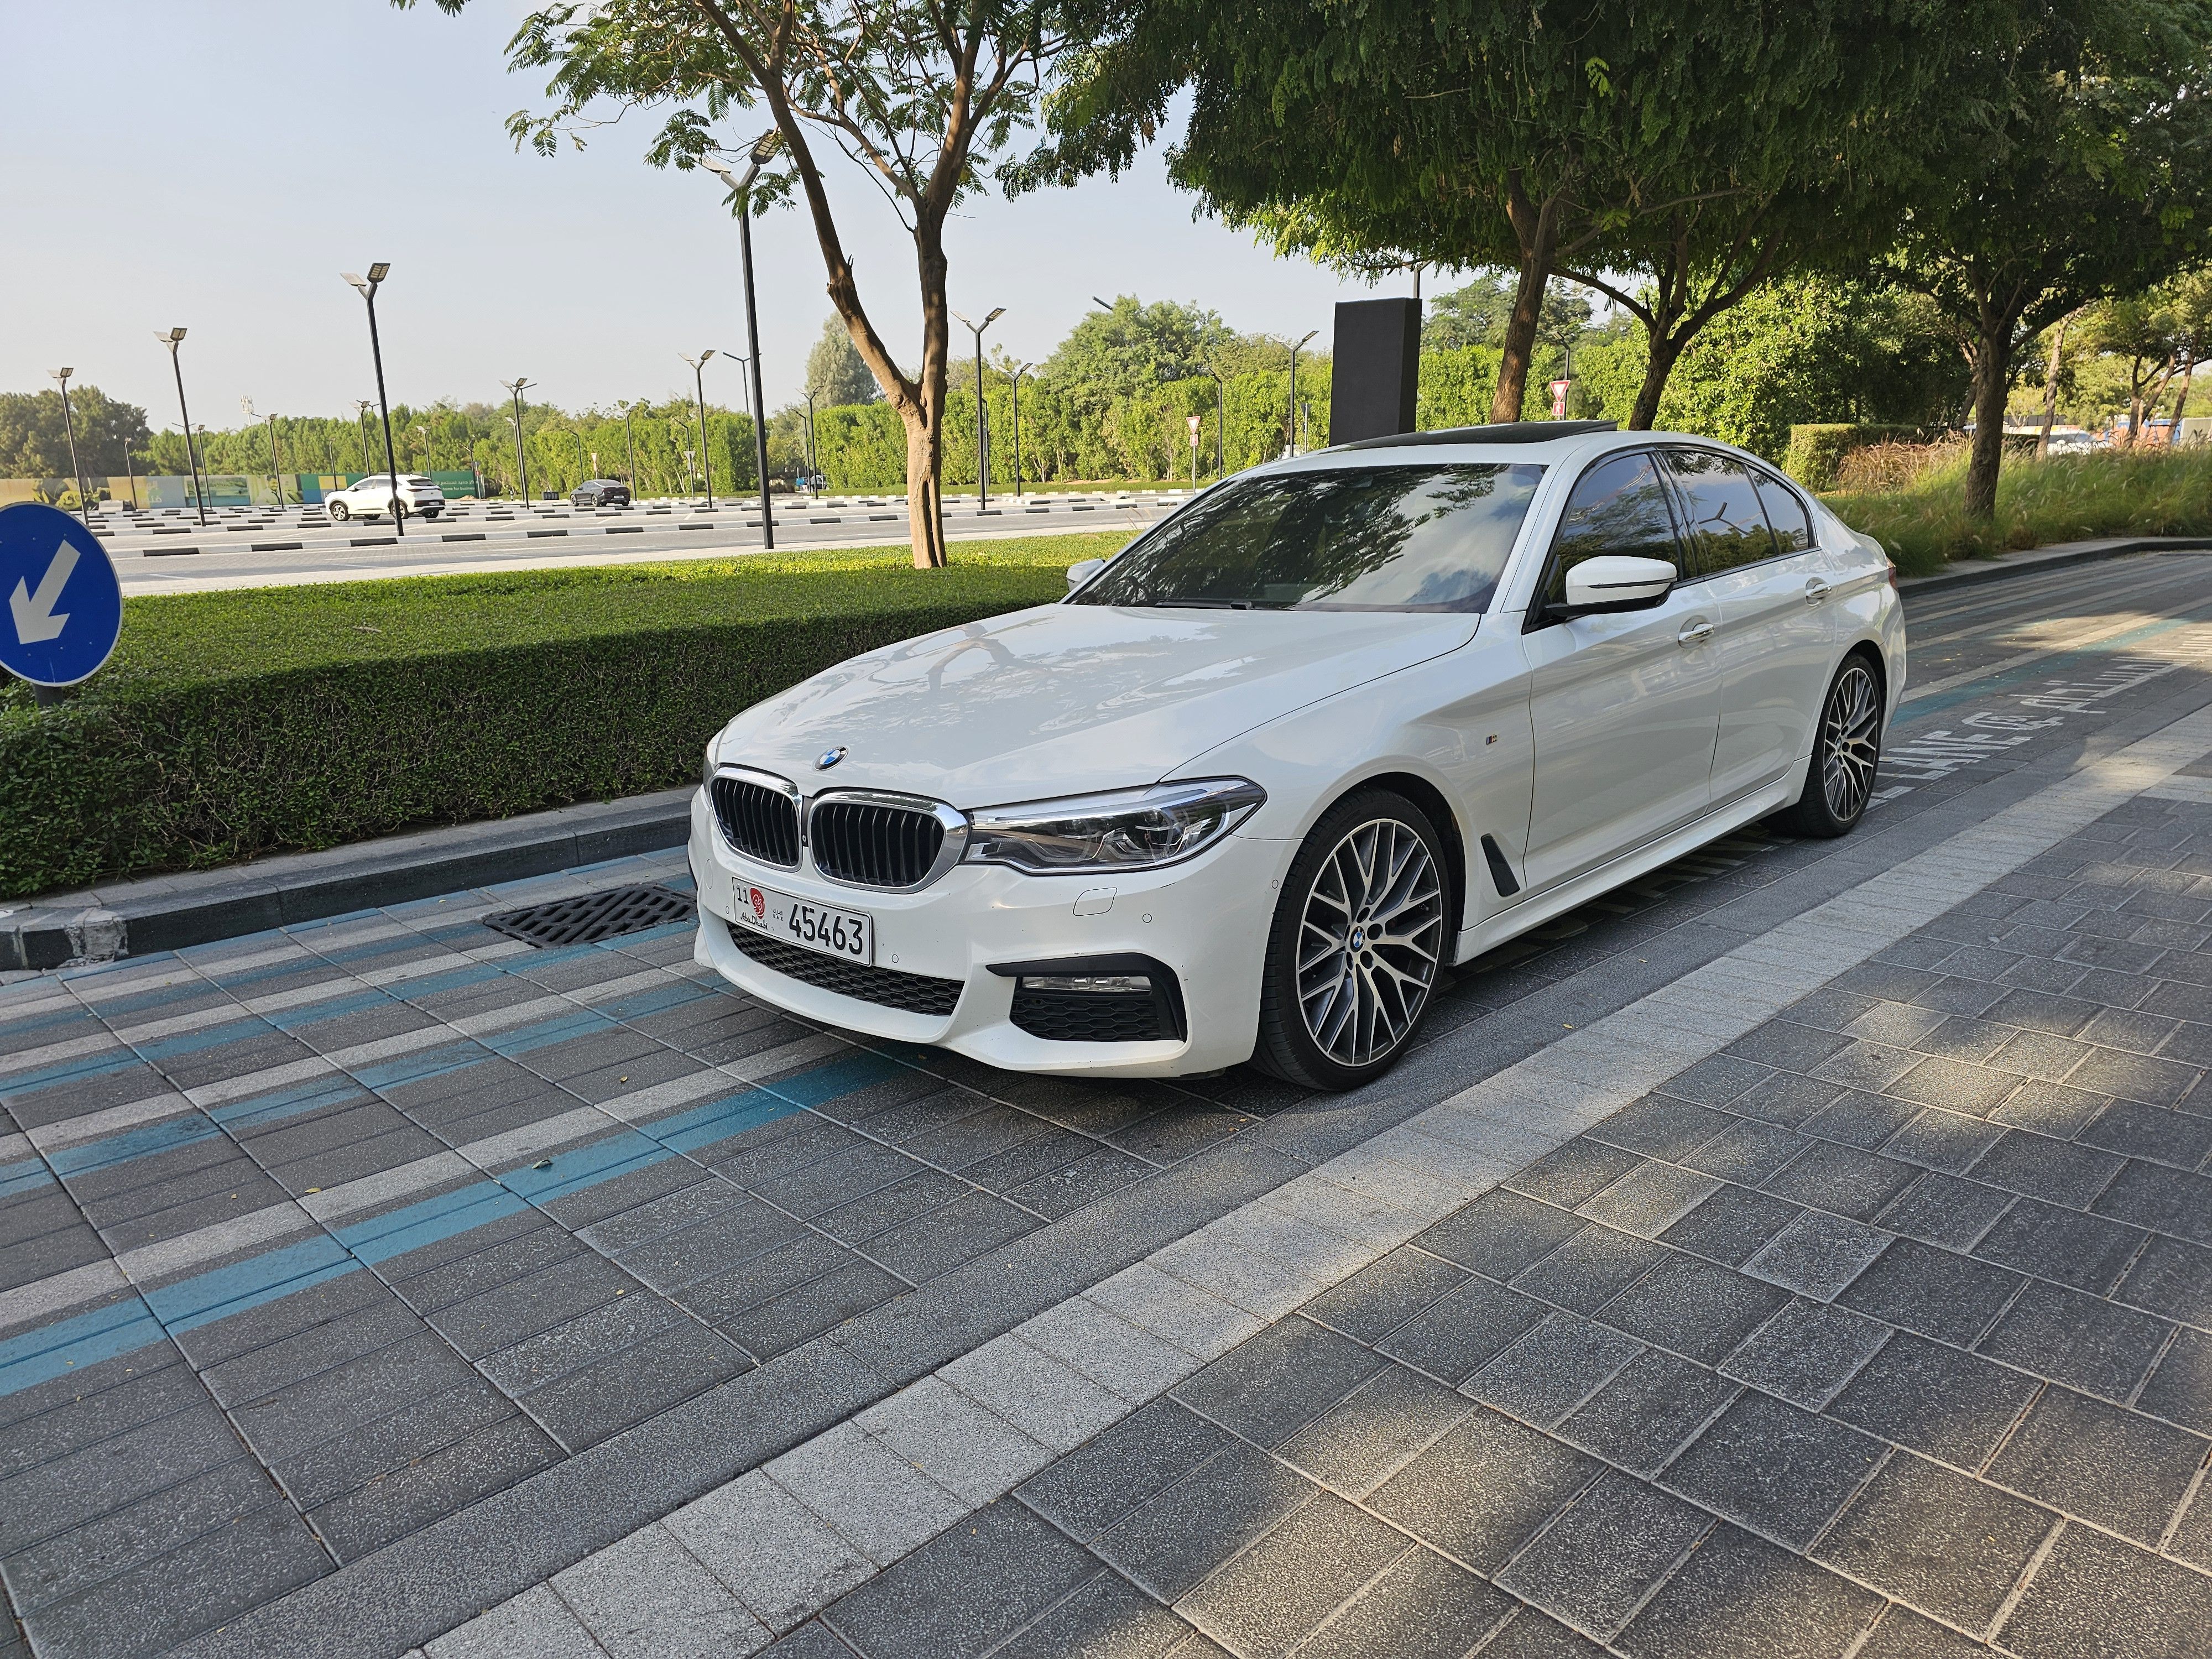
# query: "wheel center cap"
1359,938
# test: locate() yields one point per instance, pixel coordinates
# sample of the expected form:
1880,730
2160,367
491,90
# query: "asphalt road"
1805,1250
171,553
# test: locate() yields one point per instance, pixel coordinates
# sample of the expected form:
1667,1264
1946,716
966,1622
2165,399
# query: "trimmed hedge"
1817,449
244,722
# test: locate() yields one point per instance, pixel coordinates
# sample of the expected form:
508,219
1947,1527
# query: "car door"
1623,706
1770,644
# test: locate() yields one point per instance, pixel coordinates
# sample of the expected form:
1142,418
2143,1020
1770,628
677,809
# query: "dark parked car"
600,492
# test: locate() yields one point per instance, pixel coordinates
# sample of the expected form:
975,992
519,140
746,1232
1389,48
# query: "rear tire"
1360,938
1846,748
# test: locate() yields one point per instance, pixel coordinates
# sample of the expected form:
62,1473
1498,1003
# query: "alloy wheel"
1370,938
1851,742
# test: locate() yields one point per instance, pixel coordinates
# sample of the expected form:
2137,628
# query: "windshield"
1352,538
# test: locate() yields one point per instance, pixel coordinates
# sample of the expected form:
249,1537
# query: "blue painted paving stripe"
208,1036
247,1116
105,1063
28,1177
423,1064
39,1355
147,1140
43,1354
2053,667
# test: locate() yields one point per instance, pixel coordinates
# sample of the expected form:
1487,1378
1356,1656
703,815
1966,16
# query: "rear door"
1772,645
1625,706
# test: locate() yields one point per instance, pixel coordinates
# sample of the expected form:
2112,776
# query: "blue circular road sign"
64,605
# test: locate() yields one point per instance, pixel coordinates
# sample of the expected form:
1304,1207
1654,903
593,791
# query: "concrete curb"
165,912
2056,557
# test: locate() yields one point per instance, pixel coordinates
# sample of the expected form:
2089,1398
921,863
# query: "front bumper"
1206,921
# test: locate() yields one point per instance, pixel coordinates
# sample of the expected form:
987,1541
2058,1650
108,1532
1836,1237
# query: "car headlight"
707,770
1124,830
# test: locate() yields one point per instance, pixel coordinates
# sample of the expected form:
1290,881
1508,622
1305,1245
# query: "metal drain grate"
590,917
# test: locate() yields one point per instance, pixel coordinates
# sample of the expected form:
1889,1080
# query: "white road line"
786,1539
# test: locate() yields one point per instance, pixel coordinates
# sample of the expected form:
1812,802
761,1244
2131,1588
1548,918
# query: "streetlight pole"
360,408
1292,412
377,273
516,388
1014,380
741,189
68,425
629,441
699,385
982,418
1220,421
813,459
172,339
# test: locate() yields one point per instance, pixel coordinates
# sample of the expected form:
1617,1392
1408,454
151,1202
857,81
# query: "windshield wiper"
1201,604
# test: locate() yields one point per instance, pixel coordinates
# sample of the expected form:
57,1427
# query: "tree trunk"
1665,350
1536,227
2051,389
1992,358
925,490
2181,398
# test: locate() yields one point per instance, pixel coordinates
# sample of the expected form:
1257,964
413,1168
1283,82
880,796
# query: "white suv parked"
372,498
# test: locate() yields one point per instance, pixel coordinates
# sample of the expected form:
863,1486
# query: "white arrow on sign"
34,613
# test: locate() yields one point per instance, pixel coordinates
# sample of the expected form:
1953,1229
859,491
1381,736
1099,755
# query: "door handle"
1815,591
1696,633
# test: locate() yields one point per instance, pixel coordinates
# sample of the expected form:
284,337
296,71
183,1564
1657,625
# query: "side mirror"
1079,573
1616,583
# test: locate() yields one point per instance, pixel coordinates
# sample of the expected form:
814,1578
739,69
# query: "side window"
1785,512
1618,506
1726,524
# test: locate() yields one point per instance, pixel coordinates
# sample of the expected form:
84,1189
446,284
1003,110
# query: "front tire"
1358,943
1846,748
339,511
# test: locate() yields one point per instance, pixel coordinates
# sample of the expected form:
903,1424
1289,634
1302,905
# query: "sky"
218,164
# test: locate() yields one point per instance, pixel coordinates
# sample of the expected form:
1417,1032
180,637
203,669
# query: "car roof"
1543,443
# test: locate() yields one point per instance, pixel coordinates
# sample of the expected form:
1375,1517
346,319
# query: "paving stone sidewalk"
355,1276
1887,1331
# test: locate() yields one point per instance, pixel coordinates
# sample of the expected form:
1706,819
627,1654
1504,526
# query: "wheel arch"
1431,800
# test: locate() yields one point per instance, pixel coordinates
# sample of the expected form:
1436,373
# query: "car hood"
1069,697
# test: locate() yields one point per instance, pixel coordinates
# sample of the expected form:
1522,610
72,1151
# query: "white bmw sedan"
1339,723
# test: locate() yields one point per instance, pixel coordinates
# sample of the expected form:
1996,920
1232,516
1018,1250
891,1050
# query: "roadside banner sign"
64,604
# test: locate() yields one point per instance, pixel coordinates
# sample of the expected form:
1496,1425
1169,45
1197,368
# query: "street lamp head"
1102,305
172,338
997,313
1309,334
380,270
765,146
61,375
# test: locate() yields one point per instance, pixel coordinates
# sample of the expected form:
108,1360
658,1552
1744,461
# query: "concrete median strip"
762,1552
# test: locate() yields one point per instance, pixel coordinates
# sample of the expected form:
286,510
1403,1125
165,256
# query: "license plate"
849,934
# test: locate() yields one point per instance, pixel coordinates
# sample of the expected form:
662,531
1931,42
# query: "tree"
836,372
1479,313
2158,334
1135,347
1579,137
2094,184
34,439
921,93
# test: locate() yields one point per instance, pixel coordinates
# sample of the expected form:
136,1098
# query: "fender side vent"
1501,872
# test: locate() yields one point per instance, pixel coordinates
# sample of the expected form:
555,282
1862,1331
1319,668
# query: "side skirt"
1535,911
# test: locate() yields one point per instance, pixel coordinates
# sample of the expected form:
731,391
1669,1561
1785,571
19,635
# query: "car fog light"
1089,984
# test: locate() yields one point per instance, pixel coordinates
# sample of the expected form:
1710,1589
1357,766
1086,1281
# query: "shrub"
237,723
2143,492
1817,449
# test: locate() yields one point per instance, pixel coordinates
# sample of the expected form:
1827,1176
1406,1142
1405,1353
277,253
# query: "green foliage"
835,373
1475,314
1809,349
2113,492
240,722
1817,448
34,438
